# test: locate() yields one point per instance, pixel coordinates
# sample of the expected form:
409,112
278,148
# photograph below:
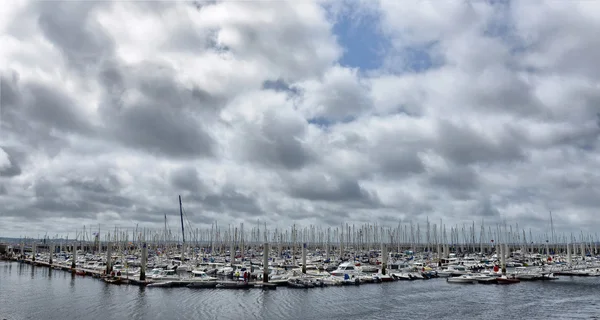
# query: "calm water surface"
28,292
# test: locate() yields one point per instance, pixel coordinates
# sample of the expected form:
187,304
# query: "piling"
74,258
502,259
108,258
384,257
304,258
50,256
33,251
144,262
266,262
569,258
232,253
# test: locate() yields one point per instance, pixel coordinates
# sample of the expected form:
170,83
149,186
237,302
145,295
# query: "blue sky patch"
364,45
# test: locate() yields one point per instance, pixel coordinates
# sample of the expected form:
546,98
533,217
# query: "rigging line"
189,223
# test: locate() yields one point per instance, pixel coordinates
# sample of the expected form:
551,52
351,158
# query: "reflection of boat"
202,284
162,284
234,285
113,281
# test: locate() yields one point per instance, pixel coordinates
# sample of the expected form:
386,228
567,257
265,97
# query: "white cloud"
246,109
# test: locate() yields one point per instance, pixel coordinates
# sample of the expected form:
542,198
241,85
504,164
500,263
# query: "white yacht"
163,275
346,268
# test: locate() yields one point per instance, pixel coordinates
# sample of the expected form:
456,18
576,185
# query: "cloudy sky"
298,112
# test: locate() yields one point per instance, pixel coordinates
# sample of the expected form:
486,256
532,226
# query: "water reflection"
140,303
72,282
65,295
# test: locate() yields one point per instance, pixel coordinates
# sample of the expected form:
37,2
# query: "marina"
299,270
309,258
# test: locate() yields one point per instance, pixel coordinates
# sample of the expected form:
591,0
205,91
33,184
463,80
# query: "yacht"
465,278
346,268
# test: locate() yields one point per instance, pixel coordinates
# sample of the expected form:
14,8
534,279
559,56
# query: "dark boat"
507,280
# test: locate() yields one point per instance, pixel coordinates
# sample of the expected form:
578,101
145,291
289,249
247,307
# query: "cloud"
287,112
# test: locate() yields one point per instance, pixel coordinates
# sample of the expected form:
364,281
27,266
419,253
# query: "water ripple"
30,292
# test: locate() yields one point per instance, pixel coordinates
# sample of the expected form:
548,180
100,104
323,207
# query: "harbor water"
29,292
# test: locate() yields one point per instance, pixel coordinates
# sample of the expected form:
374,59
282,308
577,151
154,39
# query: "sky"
298,112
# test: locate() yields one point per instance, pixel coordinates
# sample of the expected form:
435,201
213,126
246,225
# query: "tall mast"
181,214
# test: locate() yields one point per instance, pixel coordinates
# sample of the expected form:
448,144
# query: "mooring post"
108,258
304,258
502,259
439,254
74,257
51,254
144,259
266,262
384,258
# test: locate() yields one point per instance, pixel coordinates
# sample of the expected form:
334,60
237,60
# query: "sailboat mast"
181,214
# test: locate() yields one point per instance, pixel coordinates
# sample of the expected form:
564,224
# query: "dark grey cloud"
36,113
335,189
505,91
54,109
229,201
165,120
485,208
14,158
460,182
9,95
464,146
162,132
81,38
277,142
397,160
50,200
279,85
233,201
186,179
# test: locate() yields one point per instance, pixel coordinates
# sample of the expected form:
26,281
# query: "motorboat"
465,278
346,268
